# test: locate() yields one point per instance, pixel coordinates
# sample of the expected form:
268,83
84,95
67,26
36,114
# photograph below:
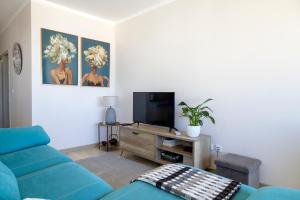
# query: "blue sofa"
29,168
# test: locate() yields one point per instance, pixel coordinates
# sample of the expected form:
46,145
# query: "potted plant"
196,116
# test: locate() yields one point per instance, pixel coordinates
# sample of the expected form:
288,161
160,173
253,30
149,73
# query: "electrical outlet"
218,148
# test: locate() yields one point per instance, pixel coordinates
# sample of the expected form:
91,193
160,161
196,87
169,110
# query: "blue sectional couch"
29,168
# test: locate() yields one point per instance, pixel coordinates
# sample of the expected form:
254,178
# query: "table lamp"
110,115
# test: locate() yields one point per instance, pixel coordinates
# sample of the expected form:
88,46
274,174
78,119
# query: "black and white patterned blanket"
190,183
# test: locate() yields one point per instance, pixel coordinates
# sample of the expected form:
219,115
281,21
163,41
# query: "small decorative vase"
110,117
193,131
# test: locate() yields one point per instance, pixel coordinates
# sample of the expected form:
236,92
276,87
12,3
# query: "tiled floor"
87,152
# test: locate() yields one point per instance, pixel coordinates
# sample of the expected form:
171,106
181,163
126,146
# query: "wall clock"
17,58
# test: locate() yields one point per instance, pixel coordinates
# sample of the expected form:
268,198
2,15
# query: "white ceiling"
112,10
8,8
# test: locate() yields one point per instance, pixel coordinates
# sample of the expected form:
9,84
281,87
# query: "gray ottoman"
239,168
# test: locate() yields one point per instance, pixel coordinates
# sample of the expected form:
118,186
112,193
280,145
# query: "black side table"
109,133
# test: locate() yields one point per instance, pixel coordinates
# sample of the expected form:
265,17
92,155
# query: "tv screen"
155,108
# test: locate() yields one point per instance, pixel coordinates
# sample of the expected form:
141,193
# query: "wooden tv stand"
147,141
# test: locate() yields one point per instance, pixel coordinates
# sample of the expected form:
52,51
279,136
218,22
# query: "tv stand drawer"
138,143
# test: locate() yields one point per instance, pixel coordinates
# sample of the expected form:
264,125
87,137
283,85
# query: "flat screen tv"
155,108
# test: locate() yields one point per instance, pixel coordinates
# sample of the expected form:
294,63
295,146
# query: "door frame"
5,54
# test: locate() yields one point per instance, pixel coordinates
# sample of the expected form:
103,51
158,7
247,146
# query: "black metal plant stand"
112,139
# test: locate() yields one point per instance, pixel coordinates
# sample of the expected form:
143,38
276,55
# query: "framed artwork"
59,58
95,63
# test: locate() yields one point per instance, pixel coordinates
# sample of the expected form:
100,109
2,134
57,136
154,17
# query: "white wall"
244,54
68,113
20,85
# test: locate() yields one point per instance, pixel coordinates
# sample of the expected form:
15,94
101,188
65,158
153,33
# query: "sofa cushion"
8,184
67,181
275,193
14,139
33,159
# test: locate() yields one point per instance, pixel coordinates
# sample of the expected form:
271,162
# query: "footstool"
239,168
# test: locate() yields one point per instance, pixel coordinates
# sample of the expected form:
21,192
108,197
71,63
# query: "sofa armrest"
8,184
275,193
15,139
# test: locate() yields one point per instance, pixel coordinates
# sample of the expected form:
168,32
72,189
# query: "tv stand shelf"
177,149
147,141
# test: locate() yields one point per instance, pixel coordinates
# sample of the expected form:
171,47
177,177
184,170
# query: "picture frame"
95,63
59,54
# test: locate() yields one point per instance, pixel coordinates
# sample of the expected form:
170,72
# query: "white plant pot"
193,131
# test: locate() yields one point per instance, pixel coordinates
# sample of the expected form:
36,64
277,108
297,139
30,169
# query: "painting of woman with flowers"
59,58
95,63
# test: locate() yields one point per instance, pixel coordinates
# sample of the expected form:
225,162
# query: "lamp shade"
108,101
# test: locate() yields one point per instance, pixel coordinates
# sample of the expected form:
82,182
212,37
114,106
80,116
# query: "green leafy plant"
197,114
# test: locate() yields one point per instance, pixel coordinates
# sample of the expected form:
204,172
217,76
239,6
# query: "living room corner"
138,98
